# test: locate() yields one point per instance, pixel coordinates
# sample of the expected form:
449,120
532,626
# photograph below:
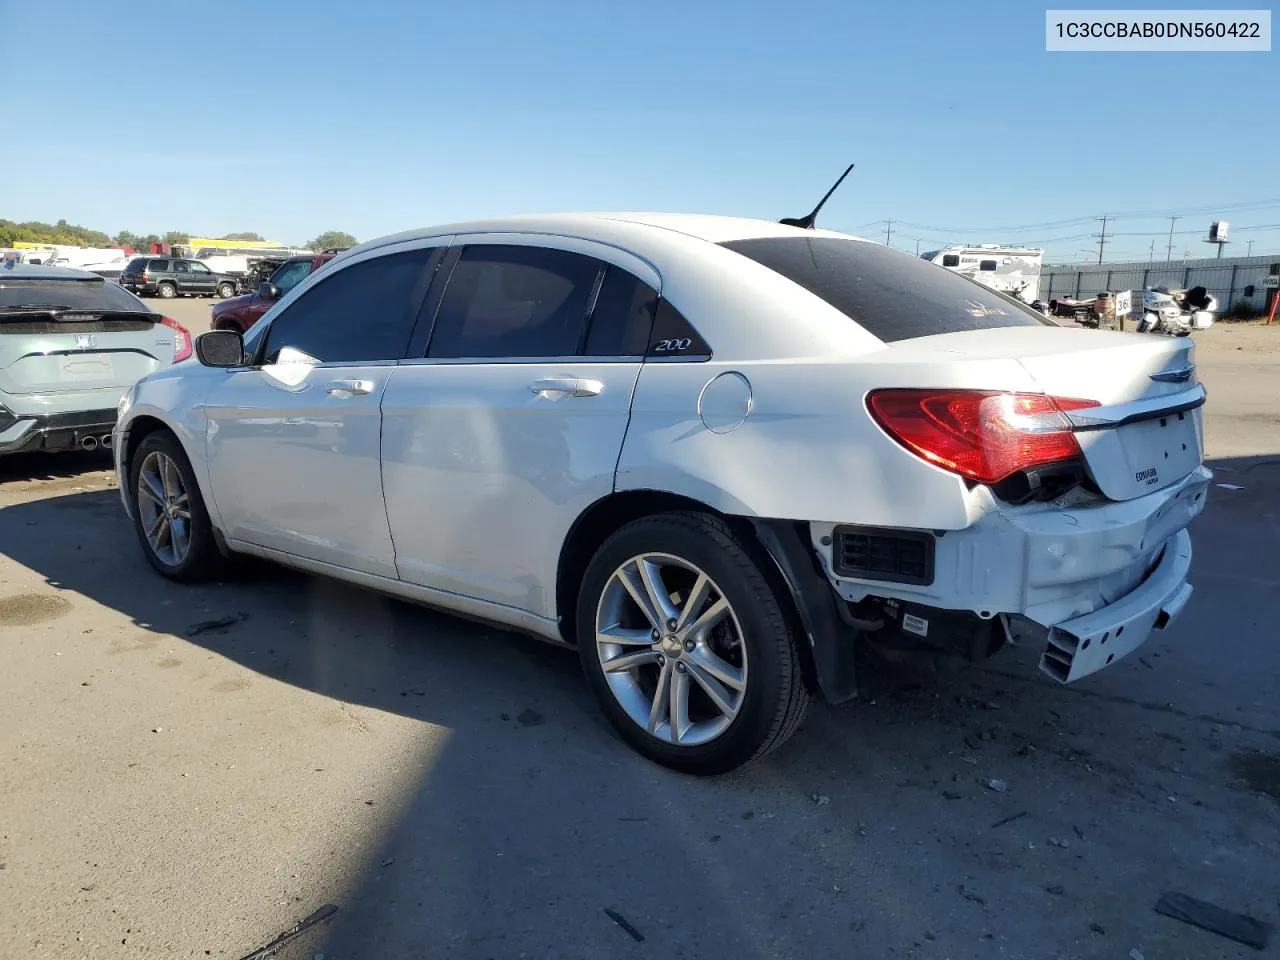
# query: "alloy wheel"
672,649
164,508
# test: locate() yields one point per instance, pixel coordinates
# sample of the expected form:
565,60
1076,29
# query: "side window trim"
678,328
589,318
425,324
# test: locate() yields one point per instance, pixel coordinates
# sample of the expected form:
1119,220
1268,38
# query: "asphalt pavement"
190,771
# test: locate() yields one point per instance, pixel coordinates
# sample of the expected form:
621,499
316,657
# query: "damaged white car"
714,454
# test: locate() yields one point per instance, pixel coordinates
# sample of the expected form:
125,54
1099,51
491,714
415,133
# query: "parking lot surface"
187,772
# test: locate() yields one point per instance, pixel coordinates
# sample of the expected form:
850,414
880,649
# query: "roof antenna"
806,222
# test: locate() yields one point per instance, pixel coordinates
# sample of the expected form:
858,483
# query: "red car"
241,313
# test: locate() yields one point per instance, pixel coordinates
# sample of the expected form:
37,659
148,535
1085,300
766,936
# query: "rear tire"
166,290
226,291
169,514
739,678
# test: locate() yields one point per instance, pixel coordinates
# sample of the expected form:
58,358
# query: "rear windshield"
892,295
72,294
135,266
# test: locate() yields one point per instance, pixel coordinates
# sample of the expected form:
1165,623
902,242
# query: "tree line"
35,231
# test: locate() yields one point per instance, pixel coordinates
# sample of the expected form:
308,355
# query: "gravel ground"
187,772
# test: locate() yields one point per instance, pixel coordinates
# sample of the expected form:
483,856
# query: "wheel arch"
776,554
143,425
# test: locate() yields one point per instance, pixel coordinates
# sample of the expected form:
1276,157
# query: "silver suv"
71,344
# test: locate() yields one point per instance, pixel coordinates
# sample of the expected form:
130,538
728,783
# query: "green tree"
175,237
331,239
34,231
243,236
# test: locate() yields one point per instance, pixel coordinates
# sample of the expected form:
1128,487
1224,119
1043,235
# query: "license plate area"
1144,456
1160,450
80,369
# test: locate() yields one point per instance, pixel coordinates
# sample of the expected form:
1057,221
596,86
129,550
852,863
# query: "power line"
1127,215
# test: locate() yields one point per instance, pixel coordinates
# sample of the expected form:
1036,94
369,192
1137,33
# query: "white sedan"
716,455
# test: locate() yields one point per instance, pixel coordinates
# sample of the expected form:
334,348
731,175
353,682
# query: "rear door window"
623,316
890,294
514,302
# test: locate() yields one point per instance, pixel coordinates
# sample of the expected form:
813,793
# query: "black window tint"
180,266
359,314
987,265
674,336
890,294
514,301
76,294
160,266
951,259
135,266
623,316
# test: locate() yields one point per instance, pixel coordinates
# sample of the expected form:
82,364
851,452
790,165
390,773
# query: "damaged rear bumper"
1093,577
1079,647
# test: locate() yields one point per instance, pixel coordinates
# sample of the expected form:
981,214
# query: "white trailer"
1011,270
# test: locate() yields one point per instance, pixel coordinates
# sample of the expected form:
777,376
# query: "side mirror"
268,291
220,348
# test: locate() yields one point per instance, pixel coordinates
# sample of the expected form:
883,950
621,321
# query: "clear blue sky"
293,118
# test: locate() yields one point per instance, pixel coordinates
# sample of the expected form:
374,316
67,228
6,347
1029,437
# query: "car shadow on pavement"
25,467
941,816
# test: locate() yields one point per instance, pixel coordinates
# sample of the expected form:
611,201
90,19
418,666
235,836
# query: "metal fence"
1232,281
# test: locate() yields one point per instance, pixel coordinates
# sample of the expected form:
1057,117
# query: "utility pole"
888,231
1169,250
1102,238
1152,254
1250,253
918,245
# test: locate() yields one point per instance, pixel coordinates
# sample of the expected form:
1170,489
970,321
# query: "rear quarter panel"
807,448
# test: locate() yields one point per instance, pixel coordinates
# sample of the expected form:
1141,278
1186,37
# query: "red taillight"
980,434
181,339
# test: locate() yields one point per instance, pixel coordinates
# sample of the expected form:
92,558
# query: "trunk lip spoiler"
1135,411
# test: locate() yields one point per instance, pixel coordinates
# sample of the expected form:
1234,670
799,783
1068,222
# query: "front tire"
167,291
169,515
687,647
226,291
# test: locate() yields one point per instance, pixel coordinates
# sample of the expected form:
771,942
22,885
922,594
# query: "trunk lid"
1147,432
50,352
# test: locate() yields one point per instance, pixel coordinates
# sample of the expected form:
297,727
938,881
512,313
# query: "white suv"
713,454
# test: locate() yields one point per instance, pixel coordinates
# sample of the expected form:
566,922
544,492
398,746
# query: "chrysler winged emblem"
1180,375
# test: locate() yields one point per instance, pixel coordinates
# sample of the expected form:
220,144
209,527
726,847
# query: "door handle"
349,388
566,387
